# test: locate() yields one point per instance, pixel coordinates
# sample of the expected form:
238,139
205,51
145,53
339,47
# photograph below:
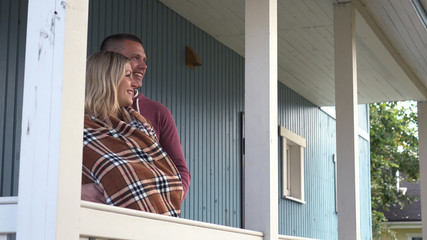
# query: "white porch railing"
98,221
283,237
103,221
8,213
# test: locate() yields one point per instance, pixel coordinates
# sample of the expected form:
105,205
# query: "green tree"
394,146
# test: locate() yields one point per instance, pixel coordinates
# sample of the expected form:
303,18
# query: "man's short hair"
110,42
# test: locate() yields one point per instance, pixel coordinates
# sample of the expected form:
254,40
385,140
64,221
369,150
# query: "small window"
292,165
414,236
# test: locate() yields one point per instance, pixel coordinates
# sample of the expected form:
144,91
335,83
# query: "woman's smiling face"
125,90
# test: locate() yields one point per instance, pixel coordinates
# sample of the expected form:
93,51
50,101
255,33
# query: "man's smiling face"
135,52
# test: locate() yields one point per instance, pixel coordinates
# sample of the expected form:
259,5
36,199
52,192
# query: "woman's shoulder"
89,121
96,123
141,123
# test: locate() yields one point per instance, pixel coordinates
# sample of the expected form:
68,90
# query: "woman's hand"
93,192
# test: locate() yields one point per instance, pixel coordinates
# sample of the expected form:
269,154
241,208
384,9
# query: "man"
159,116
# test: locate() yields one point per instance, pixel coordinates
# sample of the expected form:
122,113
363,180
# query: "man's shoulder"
152,105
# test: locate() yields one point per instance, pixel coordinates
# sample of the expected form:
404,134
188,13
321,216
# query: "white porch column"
347,121
422,143
261,166
52,120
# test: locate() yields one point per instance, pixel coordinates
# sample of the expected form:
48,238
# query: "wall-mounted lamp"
191,58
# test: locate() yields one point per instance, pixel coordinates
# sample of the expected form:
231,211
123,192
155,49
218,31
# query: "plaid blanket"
129,164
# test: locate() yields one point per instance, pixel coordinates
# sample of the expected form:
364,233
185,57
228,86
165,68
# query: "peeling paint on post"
50,169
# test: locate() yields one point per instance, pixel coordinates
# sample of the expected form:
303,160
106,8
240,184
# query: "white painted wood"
286,177
283,237
346,122
411,236
399,20
301,176
202,12
293,157
8,219
364,134
405,225
422,138
8,200
51,142
305,42
103,221
382,47
9,212
293,137
261,166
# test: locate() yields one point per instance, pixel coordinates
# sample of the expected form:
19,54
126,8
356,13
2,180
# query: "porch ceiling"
305,43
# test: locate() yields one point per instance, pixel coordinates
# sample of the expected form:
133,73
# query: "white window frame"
293,147
411,236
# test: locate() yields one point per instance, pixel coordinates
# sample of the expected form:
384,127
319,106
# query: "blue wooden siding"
13,18
317,218
206,102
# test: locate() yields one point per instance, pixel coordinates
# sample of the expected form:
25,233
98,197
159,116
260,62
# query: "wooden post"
347,121
52,120
261,153
422,146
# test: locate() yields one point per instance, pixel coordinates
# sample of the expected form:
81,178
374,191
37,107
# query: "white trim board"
8,213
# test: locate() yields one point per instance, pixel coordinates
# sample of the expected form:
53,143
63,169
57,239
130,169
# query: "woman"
120,148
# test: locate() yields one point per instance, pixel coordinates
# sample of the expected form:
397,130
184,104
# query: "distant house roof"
410,212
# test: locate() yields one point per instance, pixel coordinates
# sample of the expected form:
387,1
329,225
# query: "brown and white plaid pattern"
130,165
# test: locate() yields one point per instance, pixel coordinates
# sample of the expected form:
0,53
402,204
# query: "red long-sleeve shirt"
165,127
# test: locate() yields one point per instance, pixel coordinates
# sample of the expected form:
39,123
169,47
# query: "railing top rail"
284,237
147,215
9,200
8,213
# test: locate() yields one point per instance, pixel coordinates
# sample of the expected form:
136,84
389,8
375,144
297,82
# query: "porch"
56,49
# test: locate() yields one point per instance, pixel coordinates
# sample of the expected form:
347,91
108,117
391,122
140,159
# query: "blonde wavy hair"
104,71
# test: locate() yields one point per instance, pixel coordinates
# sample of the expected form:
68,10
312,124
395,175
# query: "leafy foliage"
394,146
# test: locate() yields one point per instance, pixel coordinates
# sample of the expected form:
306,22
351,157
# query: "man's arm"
169,140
